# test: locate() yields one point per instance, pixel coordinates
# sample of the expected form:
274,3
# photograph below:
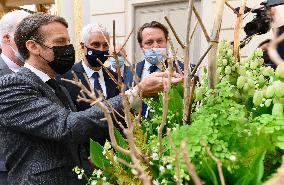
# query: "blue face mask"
18,55
113,61
155,55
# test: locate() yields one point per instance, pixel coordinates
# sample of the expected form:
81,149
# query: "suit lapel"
111,88
139,68
79,70
4,69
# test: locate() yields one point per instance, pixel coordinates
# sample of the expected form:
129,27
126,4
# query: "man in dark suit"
121,56
153,39
10,62
39,130
94,46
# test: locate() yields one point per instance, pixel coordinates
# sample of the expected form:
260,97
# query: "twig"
174,32
238,29
127,38
108,72
189,165
205,32
176,156
167,87
172,51
212,65
217,161
194,81
193,31
200,61
118,70
187,69
232,8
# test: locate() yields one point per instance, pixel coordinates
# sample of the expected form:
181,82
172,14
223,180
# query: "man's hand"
154,83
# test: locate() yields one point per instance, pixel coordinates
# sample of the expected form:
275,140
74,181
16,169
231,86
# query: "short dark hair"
153,24
29,29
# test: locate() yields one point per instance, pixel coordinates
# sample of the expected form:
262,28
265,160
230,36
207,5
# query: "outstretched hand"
154,83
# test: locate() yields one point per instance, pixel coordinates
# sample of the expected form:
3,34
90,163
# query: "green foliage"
241,121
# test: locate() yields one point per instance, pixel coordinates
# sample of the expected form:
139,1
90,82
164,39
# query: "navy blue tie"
97,85
153,68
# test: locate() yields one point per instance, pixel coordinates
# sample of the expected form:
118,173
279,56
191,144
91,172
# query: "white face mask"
17,54
155,55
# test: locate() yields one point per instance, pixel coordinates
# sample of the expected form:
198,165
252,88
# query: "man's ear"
33,47
6,38
82,45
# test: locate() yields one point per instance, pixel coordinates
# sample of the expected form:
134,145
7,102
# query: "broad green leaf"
97,156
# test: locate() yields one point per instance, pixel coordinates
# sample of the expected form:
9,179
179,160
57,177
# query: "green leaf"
257,168
122,143
97,156
209,172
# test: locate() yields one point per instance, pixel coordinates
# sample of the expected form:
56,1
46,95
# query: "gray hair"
10,21
91,28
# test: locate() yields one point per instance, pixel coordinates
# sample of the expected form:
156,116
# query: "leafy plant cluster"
241,122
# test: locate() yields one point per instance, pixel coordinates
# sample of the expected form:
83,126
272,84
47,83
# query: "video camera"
261,23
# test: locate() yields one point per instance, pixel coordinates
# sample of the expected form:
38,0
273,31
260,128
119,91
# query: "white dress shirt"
43,76
90,72
146,71
12,65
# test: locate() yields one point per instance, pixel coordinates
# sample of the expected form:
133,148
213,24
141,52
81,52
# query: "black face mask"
64,58
92,56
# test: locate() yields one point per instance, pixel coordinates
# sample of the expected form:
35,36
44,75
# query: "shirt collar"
90,71
43,76
12,65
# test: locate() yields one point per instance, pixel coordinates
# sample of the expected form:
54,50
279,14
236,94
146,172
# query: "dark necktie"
59,92
97,85
153,68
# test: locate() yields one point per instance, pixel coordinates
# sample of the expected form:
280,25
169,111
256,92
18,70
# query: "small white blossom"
261,105
174,128
169,166
104,152
155,182
151,163
107,145
82,171
99,173
155,156
115,158
80,176
233,158
94,182
162,169
104,178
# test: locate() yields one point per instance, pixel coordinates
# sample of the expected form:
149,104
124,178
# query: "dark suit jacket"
139,71
4,69
40,137
111,87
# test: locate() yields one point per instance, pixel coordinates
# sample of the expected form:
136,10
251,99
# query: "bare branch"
178,180
212,65
187,68
189,165
219,164
205,32
238,29
200,60
174,32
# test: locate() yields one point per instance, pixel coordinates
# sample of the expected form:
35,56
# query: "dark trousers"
3,178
